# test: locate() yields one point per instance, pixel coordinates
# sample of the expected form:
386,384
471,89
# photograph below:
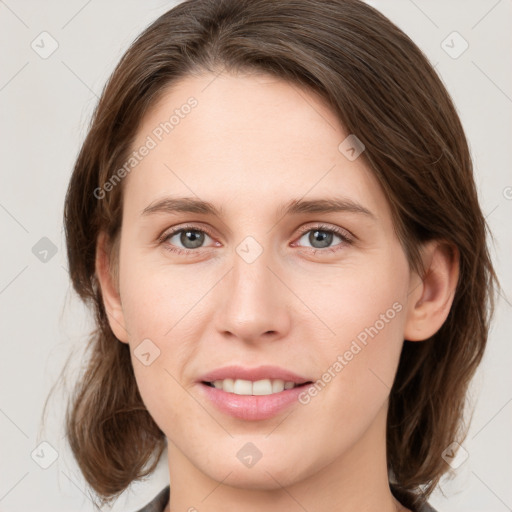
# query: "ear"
431,298
107,274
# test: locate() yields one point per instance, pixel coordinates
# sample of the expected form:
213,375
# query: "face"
269,277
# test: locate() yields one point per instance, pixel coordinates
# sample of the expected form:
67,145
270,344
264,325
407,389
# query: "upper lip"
253,374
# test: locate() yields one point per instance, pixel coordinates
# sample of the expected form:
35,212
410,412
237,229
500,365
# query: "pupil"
192,239
324,238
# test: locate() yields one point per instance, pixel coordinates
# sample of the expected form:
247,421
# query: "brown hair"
384,90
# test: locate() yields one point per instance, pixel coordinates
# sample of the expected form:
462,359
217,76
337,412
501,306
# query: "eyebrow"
293,207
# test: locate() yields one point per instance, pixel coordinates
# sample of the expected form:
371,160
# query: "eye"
190,239
184,239
321,238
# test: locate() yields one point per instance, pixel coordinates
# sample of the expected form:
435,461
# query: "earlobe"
430,301
106,273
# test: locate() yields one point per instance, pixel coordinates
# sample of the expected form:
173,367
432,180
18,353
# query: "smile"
247,387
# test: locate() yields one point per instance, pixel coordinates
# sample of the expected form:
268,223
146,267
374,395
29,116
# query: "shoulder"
158,503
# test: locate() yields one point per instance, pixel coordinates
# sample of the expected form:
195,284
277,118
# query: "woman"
275,218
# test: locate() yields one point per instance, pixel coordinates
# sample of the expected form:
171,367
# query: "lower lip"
252,407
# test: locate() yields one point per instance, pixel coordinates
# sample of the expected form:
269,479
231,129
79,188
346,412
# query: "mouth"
253,393
254,388
256,400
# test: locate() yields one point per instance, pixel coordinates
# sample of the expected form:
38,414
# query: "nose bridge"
251,275
254,303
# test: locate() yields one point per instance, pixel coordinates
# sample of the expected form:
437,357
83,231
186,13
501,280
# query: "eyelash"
342,233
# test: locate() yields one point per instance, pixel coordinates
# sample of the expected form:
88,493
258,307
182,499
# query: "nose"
254,304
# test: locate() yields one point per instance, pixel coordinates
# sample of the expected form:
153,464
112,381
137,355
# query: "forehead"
246,139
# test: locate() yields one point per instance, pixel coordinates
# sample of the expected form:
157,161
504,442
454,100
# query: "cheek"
364,309
355,299
161,305
157,297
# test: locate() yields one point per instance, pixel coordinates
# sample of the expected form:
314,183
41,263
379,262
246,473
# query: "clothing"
159,503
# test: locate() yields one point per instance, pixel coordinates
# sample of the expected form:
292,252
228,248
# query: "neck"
356,480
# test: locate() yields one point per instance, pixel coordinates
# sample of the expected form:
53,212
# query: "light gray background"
45,109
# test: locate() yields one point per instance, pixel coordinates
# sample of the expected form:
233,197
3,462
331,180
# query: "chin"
268,473
257,478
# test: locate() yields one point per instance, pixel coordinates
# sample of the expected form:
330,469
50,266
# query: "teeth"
247,387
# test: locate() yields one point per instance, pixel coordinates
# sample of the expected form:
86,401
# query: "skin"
252,144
